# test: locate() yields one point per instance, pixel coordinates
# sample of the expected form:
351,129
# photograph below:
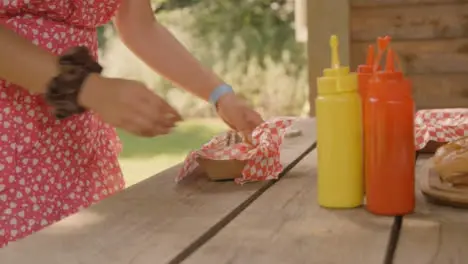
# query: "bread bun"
451,162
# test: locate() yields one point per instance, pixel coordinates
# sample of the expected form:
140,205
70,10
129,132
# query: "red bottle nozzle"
368,67
390,71
382,44
390,63
370,55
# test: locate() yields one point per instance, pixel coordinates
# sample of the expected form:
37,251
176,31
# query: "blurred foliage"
250,44
264,26
169,5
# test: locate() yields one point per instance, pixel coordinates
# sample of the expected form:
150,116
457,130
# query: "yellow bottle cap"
337,78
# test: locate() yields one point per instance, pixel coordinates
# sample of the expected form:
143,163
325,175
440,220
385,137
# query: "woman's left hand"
238,115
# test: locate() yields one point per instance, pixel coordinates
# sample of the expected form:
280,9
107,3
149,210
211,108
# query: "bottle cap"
337,78
390,73
367,68
390,82
382,45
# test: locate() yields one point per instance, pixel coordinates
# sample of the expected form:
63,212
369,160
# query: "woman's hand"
128,105
238,115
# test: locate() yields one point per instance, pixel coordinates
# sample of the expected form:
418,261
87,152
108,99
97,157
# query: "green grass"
142,157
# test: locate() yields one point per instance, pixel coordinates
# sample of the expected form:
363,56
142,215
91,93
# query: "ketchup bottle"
389,141
365,71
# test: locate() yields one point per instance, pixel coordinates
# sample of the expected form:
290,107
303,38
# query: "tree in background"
250,43
264,26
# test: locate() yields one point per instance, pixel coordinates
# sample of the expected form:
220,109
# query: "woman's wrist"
225,99
64,90
89,92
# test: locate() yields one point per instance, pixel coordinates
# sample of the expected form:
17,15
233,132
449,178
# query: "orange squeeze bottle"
365,71
389,142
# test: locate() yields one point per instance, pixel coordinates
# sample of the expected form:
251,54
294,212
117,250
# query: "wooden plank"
423,57
440,91
321,24
434,234
410,22
150,222
452,243
425,240
438,69
286,225
418,241
382,3
418,238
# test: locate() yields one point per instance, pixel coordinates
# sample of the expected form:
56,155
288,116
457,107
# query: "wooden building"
430,37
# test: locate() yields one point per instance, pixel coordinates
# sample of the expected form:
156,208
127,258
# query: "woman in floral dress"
51,167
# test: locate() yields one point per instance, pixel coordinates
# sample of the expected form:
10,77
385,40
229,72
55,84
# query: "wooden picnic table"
278,222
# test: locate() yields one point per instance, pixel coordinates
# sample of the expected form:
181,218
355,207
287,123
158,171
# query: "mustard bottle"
340,178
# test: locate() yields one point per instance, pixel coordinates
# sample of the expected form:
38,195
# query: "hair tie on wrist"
63,90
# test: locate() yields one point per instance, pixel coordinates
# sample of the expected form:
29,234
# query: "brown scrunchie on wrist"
62,93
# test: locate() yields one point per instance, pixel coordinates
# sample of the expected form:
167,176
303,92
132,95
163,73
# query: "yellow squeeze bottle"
340,177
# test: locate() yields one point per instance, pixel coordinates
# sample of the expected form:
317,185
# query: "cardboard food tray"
220,170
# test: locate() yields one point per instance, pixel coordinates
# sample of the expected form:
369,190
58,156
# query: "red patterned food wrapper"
262,156
440,125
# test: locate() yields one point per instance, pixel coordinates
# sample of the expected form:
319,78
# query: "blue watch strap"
220,91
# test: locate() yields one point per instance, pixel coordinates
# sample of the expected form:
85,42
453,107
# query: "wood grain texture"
440,90
434,234
410,22
428,241
286,225
383,3
438,69
423,56
148,223
325,18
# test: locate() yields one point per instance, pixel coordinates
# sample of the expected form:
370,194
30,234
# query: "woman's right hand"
129,105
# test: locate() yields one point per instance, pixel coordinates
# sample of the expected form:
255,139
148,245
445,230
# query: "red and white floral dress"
50,169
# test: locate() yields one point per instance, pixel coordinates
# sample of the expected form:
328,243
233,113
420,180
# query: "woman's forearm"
160,50
25,64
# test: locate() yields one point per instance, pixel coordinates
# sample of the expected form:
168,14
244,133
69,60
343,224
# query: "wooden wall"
325,18
431,38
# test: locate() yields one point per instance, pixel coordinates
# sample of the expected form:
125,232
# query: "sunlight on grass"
142,158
